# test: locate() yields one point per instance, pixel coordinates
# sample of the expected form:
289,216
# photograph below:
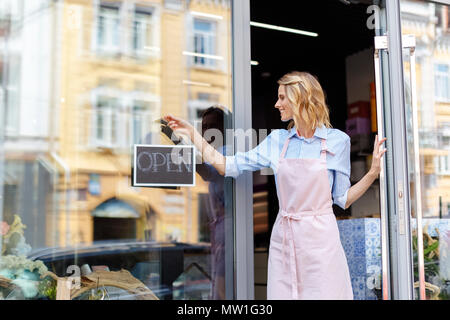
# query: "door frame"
399,246
242,185
398,202
397,179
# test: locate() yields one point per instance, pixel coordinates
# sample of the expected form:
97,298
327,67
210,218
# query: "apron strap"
323,150
283,152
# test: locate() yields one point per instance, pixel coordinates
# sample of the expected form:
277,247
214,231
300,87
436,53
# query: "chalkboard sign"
164,166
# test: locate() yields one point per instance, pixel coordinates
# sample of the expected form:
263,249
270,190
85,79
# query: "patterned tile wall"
361,241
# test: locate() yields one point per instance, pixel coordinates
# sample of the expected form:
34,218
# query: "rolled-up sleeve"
252,160
231,168
341,183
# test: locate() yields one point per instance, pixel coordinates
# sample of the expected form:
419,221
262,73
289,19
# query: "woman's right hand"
180,126
209,154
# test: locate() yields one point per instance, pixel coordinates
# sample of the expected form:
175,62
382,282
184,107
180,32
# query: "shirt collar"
320,132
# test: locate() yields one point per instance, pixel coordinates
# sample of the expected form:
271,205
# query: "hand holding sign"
180,126
209,154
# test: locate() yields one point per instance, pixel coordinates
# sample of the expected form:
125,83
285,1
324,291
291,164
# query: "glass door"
348,78
396,247
81,83
382,99
426,69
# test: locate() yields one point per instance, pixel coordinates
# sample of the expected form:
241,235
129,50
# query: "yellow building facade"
124,65
432,51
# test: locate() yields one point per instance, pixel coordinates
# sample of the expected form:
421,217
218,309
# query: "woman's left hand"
378,153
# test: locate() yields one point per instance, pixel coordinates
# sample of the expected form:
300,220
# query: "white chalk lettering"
171,162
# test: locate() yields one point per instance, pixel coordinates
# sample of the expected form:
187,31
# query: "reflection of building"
129,70
430,24
107,70
27,99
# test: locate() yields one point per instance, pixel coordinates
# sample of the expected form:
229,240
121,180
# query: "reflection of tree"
431,263
430,254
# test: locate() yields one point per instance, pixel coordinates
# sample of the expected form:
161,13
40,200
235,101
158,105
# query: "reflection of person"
311,162
213,118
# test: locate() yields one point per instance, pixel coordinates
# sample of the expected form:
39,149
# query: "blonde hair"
307,99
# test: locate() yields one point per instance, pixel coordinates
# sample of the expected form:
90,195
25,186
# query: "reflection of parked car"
155,264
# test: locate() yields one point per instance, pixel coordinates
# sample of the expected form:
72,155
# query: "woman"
311,162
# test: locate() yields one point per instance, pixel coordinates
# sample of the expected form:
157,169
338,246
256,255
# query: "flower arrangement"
47,288
4,228
13,240
14,266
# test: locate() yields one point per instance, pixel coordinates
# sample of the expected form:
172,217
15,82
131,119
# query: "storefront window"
82,82
429,23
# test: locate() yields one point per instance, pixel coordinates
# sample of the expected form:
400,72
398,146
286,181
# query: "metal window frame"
399,202
242,119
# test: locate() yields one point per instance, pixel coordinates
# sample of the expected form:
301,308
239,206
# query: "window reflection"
108,28
204,33
430,24
81,82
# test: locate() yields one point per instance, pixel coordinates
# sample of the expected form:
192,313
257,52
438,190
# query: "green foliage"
431,262
47,288
97,294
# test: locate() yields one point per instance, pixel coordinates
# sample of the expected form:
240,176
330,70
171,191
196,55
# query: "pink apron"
306,258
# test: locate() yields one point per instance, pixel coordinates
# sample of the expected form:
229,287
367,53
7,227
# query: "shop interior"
341,57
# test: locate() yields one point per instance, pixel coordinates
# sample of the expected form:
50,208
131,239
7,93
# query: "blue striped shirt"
267,153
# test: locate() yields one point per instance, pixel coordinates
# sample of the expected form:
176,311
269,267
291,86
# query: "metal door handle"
381,43
383,212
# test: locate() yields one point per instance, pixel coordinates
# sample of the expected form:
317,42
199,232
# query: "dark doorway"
114,229
342,33
115,219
